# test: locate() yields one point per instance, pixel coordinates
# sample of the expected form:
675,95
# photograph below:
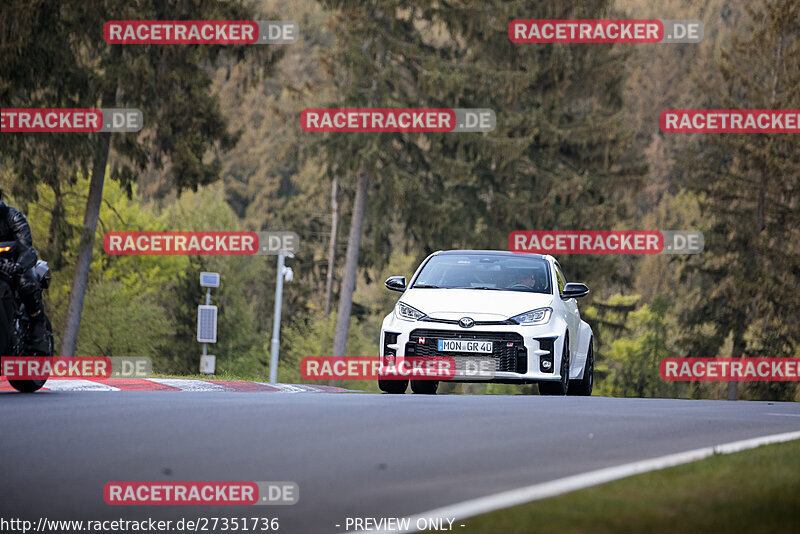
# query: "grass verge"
752,491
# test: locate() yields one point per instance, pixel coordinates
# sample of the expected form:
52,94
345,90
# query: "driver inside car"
18,272
525,278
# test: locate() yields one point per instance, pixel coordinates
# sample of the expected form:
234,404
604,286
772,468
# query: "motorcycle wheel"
29,386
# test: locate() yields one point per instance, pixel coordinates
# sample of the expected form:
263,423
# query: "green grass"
752,491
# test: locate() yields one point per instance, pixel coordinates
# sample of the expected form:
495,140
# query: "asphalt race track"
352,454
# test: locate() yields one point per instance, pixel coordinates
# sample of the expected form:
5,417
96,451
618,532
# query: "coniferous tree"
751,194
558,159
169,84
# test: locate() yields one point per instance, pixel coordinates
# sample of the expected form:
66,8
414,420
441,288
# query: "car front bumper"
520,353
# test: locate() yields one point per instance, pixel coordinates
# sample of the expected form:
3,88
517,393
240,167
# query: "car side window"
560,277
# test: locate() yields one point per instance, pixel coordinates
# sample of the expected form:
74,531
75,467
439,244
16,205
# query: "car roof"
491,252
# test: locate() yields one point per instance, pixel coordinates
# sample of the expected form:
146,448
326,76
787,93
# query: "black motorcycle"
14,322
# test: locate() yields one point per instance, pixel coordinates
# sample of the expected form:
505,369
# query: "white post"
276,320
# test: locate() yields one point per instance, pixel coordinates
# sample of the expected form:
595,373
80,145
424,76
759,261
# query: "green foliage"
242,295
147,305
138,278
121,322
301,339
632,360
371,303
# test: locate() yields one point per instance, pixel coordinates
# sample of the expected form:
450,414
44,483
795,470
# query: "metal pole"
208,302
276,322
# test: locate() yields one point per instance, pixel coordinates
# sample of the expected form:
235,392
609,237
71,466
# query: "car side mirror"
574,290
396,283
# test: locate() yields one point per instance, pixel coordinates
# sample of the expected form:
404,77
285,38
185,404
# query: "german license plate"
464,345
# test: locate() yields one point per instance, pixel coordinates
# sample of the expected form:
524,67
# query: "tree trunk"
351,265
56,232
737,351
86,247
332,250
332,246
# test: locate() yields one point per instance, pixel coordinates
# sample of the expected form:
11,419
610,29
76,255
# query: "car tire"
424,387
562,386
393,387
584,386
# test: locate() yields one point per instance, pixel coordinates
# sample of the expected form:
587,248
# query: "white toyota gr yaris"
514,311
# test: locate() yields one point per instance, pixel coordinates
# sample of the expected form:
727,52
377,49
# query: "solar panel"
207,324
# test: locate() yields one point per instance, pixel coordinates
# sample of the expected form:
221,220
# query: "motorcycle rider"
19,272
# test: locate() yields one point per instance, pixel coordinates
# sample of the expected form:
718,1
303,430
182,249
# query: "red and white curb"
174,384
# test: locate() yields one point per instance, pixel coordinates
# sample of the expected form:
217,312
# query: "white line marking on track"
535,492
77,385
786,414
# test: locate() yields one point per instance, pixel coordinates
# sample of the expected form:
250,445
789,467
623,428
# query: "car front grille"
508,348
477,323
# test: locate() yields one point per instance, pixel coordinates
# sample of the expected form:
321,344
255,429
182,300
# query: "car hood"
479,304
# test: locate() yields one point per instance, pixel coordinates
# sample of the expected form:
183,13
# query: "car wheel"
424,387
395,387
562,386
583,387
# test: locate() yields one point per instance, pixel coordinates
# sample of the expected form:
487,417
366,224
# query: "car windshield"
485,271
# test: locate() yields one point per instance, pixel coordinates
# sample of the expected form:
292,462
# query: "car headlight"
538,316
407,313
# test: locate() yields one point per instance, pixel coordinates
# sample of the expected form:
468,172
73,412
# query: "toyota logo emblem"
466,322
